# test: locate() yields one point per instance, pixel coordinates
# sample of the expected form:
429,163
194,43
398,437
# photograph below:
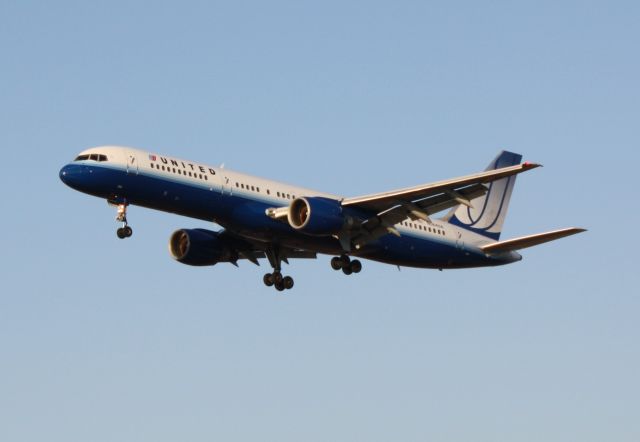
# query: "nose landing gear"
125,231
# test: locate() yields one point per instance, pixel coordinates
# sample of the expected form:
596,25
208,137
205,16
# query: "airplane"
268,219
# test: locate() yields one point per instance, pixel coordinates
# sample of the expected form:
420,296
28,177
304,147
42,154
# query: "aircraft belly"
421,252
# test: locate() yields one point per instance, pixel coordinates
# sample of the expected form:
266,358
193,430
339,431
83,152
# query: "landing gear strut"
276,279
345,264
125,231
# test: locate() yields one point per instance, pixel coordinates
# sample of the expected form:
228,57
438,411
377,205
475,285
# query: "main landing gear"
276,279
125,231
345,264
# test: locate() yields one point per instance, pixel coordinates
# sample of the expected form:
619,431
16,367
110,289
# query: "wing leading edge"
385,200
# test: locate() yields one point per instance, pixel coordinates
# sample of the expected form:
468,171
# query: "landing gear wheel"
347,270
336,263
355,266
276,279
125,231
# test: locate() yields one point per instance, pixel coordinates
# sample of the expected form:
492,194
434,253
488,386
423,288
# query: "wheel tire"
121,233
128,231
287,281
277,277
268,279
345,261
347,270
336,263
356,266
279,286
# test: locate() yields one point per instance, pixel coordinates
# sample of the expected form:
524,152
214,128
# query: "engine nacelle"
198,247
316,216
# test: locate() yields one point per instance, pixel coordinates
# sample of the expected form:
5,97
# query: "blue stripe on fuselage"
245,215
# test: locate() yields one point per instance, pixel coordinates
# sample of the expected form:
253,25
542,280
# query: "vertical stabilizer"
487,215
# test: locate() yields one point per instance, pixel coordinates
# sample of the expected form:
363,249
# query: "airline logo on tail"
487,214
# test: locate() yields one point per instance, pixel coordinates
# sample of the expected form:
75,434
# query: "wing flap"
382,224
528,241
251,250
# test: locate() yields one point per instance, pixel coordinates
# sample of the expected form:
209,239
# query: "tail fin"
487,215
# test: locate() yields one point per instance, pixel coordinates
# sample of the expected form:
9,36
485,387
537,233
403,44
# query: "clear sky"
110,340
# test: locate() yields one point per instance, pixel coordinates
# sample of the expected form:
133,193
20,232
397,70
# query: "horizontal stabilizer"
528,241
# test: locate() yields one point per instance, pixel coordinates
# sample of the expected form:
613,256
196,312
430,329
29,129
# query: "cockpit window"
92,157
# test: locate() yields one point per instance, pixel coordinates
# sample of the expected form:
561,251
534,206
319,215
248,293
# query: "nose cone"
72,175
63,173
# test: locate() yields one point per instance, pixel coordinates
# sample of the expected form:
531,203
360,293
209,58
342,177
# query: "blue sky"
109,340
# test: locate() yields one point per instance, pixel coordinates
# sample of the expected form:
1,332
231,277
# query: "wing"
252,251
420,202
450,187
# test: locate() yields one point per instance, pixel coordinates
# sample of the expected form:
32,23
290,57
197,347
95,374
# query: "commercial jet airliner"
268,219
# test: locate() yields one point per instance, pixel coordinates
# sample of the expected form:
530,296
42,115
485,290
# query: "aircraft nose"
64,173
71,174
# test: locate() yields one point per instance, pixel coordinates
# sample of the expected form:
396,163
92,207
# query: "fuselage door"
459,240
227,188
132,163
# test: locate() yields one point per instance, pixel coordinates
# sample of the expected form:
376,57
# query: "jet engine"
316,216
198,247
